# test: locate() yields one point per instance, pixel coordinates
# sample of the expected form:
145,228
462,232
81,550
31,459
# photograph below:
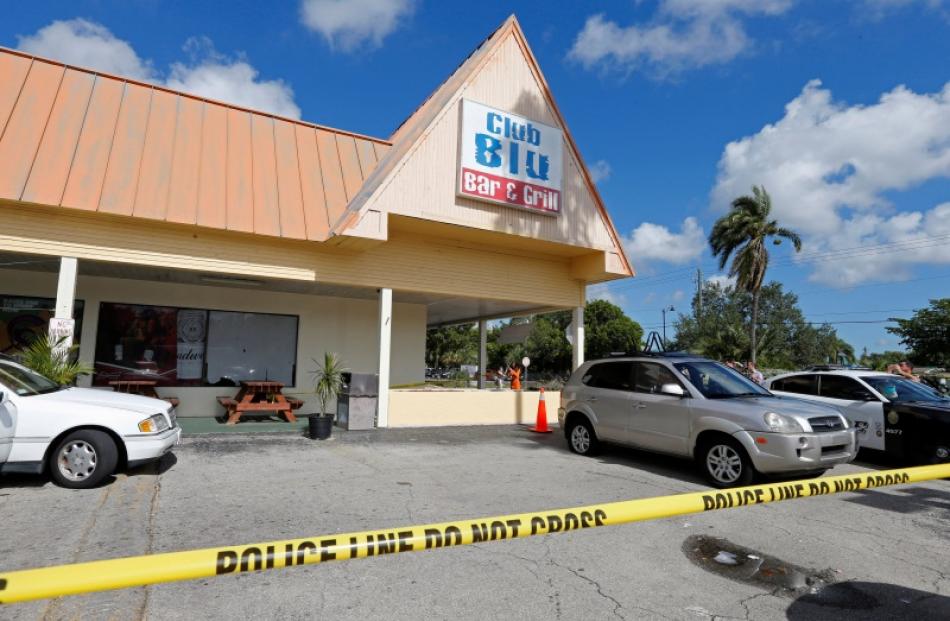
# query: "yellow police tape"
30,584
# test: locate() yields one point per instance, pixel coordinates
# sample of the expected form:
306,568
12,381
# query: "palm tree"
53,360
743,232
328,379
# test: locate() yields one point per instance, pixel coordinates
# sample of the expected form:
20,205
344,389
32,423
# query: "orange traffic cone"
541,425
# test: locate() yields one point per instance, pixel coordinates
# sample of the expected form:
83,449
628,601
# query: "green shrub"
53,361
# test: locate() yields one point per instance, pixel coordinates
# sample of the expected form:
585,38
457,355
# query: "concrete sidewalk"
889,547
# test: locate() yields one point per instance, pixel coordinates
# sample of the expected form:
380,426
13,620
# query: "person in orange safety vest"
514,374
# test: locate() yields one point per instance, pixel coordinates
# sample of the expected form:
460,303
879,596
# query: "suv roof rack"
651,354
836,367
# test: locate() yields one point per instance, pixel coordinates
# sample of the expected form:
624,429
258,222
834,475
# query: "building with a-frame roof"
200,243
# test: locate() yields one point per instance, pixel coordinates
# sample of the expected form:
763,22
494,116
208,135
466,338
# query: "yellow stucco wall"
429,408
346,326
424,185
406,262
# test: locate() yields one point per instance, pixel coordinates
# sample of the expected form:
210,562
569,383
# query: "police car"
891,413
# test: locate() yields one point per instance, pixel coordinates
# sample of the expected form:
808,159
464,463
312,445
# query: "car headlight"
781,424
153,424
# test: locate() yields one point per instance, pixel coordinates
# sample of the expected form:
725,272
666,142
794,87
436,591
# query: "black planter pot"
320,426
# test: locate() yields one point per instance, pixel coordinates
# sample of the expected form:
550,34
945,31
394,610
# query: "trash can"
356,405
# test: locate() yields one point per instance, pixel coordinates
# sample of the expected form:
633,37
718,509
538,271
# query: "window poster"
192,331
136,342
193,347
24,319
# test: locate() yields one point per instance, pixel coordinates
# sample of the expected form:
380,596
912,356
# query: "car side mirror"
673,390
3,397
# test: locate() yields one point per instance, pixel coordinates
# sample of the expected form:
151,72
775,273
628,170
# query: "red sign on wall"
510,191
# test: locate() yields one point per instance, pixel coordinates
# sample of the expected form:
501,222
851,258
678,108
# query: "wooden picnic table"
146,388
259,396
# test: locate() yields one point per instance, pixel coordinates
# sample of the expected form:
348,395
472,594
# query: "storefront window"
23,319
193,347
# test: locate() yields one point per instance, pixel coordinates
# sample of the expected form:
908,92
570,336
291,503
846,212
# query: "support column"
66,293
482,352
578,325
385,343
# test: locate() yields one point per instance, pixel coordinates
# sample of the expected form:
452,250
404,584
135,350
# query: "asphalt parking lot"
874,554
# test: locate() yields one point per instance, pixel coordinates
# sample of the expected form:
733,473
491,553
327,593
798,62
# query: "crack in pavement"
699,610
52,604
870,550
941,577
745,602
554,597
150,529
617,605
409,501
600,591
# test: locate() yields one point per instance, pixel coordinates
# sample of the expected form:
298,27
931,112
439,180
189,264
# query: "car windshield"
23,381
717,381
899,389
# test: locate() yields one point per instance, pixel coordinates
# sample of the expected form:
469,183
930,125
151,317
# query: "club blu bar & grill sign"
508,159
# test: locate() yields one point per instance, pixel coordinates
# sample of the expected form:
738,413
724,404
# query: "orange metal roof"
79,139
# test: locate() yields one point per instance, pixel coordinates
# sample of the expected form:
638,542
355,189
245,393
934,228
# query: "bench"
236,407
146,388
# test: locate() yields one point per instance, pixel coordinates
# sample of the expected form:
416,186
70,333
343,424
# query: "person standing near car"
905,369
754,374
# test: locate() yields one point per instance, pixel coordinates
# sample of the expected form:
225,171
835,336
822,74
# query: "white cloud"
208,74
616,298
235,81
683,34
724,281
348,24
877,9
832,170
600,171
678,295
87,44
655,242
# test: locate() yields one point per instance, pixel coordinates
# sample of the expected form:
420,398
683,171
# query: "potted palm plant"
327,384
50,358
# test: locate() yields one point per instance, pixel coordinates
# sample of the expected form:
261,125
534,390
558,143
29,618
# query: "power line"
794,259
866,312
878,284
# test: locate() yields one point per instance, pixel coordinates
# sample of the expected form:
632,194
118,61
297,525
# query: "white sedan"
80,435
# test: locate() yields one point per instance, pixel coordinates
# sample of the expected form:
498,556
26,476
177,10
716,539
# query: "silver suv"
694,407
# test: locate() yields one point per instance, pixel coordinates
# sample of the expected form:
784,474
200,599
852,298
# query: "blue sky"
842,110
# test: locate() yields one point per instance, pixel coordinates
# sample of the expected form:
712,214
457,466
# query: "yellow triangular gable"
418,177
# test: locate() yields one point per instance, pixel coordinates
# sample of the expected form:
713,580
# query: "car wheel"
83,459
581,437
934,455
726,464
